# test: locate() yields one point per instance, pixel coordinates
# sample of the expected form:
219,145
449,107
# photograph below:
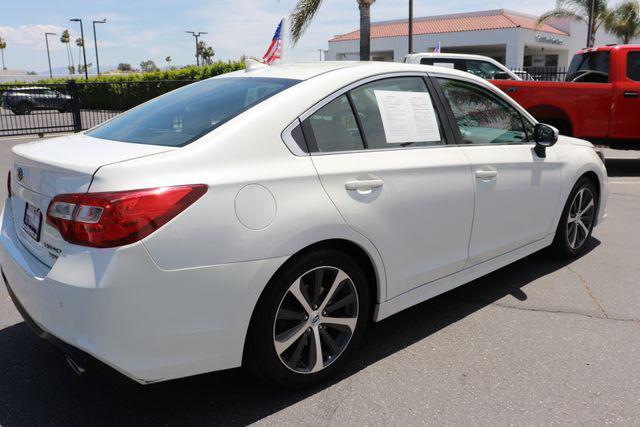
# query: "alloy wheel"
580,219
316,320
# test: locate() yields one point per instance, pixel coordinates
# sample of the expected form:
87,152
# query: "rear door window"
397,112
483,69
333,128
184,115
589,67
633,66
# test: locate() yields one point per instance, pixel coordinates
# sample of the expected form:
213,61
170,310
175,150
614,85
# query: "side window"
397,111
482,117
633,66
483,69
333,128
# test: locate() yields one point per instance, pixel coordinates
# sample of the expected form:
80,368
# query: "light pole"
46,39
84,51
410,26
196,35
95,42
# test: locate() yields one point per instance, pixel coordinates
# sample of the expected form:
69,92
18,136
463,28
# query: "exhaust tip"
79,370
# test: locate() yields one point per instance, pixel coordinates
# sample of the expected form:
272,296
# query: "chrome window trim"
291,143
356,84
338,93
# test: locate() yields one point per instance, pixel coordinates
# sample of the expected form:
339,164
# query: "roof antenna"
252,65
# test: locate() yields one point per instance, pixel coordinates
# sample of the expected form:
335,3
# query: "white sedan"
263,218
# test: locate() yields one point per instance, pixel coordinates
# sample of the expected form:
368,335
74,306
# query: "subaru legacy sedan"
265,217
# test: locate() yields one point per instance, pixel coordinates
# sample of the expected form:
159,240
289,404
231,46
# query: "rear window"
592,67
183,115
633,66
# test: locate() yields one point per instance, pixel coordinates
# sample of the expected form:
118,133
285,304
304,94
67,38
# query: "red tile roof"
452,24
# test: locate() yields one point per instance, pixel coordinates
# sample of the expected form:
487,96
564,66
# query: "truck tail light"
106,220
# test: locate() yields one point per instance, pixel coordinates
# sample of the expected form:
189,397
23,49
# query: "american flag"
275,48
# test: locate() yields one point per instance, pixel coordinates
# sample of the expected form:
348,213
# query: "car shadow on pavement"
623,167
36,386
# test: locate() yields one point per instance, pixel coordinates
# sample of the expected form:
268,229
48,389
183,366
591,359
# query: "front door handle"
363,184
486,174
630,94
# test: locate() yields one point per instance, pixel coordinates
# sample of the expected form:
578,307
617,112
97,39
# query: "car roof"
609,47
27,88
449,55
309,70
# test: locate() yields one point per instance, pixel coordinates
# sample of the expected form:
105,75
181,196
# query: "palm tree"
66,38
624,21
168,61
3,46
306,10
580,11
80,43
205,52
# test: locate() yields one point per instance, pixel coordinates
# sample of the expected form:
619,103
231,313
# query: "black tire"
260,349
562,242
25,108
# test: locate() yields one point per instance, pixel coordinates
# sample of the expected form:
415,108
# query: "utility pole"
84,51
46,39
410,26
95,42
196,35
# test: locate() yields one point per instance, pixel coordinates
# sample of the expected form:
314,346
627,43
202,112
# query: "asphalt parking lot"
541,341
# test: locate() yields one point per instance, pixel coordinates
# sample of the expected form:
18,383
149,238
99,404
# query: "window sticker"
444,64
407,116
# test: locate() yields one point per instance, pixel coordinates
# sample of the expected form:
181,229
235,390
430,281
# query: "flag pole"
283,34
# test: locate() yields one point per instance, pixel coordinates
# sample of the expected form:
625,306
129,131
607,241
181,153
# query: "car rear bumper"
118,307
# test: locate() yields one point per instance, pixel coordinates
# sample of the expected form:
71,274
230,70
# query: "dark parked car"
26,99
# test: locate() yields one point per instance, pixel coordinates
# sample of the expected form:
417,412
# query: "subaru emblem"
20,174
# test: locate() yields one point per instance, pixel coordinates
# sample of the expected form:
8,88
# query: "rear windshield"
183,115
589,67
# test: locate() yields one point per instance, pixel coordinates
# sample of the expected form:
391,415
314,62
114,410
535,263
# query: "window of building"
482,117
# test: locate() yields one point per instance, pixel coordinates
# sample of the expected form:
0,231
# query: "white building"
512,38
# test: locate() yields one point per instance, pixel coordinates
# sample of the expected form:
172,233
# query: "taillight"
106,220
9,183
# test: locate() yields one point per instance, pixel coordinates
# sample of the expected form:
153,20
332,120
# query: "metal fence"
72,106
546,74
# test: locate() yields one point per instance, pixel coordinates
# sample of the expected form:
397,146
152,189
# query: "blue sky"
152,29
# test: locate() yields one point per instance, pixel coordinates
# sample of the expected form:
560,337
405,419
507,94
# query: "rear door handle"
486,174
363,184
630,94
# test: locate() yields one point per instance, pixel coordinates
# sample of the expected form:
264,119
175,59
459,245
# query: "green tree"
579,10
306,10
81,68
3,46
624,21
148,66
206,53
168,61
124,67
66,39
80,43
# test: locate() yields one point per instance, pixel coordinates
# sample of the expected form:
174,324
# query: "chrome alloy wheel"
316,319
581,216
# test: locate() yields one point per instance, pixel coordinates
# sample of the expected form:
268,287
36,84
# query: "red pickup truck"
600,99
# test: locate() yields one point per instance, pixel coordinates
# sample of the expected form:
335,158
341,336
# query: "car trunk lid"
42,170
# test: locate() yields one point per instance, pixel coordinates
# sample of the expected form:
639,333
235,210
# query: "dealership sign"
548,39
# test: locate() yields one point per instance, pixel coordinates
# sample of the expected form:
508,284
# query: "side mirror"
544,136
